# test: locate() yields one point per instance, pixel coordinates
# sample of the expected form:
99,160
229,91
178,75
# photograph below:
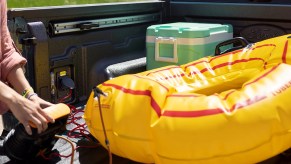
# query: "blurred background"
40,3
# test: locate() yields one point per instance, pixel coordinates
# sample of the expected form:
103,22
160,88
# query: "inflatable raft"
232,108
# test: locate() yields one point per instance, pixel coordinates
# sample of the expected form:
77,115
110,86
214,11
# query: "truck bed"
82,41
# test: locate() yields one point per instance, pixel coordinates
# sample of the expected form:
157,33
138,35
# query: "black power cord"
97,93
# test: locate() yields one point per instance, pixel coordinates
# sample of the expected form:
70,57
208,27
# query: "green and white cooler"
183,42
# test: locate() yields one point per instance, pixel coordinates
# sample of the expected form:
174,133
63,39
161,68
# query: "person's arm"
11,62
25,110
19,82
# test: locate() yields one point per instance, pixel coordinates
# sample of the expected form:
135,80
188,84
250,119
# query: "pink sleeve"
9,56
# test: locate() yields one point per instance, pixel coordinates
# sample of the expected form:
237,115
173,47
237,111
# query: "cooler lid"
188,30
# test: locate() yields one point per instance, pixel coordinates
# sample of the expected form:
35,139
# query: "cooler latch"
166,40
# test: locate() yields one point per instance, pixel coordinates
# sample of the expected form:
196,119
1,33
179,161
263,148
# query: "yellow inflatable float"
232,108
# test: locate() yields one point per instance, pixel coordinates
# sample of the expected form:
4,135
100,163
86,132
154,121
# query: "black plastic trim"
231,10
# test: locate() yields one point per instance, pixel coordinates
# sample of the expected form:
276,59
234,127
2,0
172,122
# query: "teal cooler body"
183,42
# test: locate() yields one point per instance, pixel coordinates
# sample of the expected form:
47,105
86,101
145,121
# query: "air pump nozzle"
98,92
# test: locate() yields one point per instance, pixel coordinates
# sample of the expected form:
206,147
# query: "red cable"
72,119
83,132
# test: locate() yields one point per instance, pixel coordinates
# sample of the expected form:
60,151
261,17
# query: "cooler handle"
167,40
242,42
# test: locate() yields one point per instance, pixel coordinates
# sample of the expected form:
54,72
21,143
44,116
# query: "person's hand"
41,102
30,111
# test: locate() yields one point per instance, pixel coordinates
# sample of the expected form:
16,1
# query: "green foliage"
41,3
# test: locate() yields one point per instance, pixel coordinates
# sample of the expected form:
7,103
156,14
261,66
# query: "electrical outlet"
62,88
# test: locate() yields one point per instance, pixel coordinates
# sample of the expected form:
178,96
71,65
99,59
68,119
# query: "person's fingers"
44,125
44,104
38,125
46,116
47,104
27,128
41,102
40,122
